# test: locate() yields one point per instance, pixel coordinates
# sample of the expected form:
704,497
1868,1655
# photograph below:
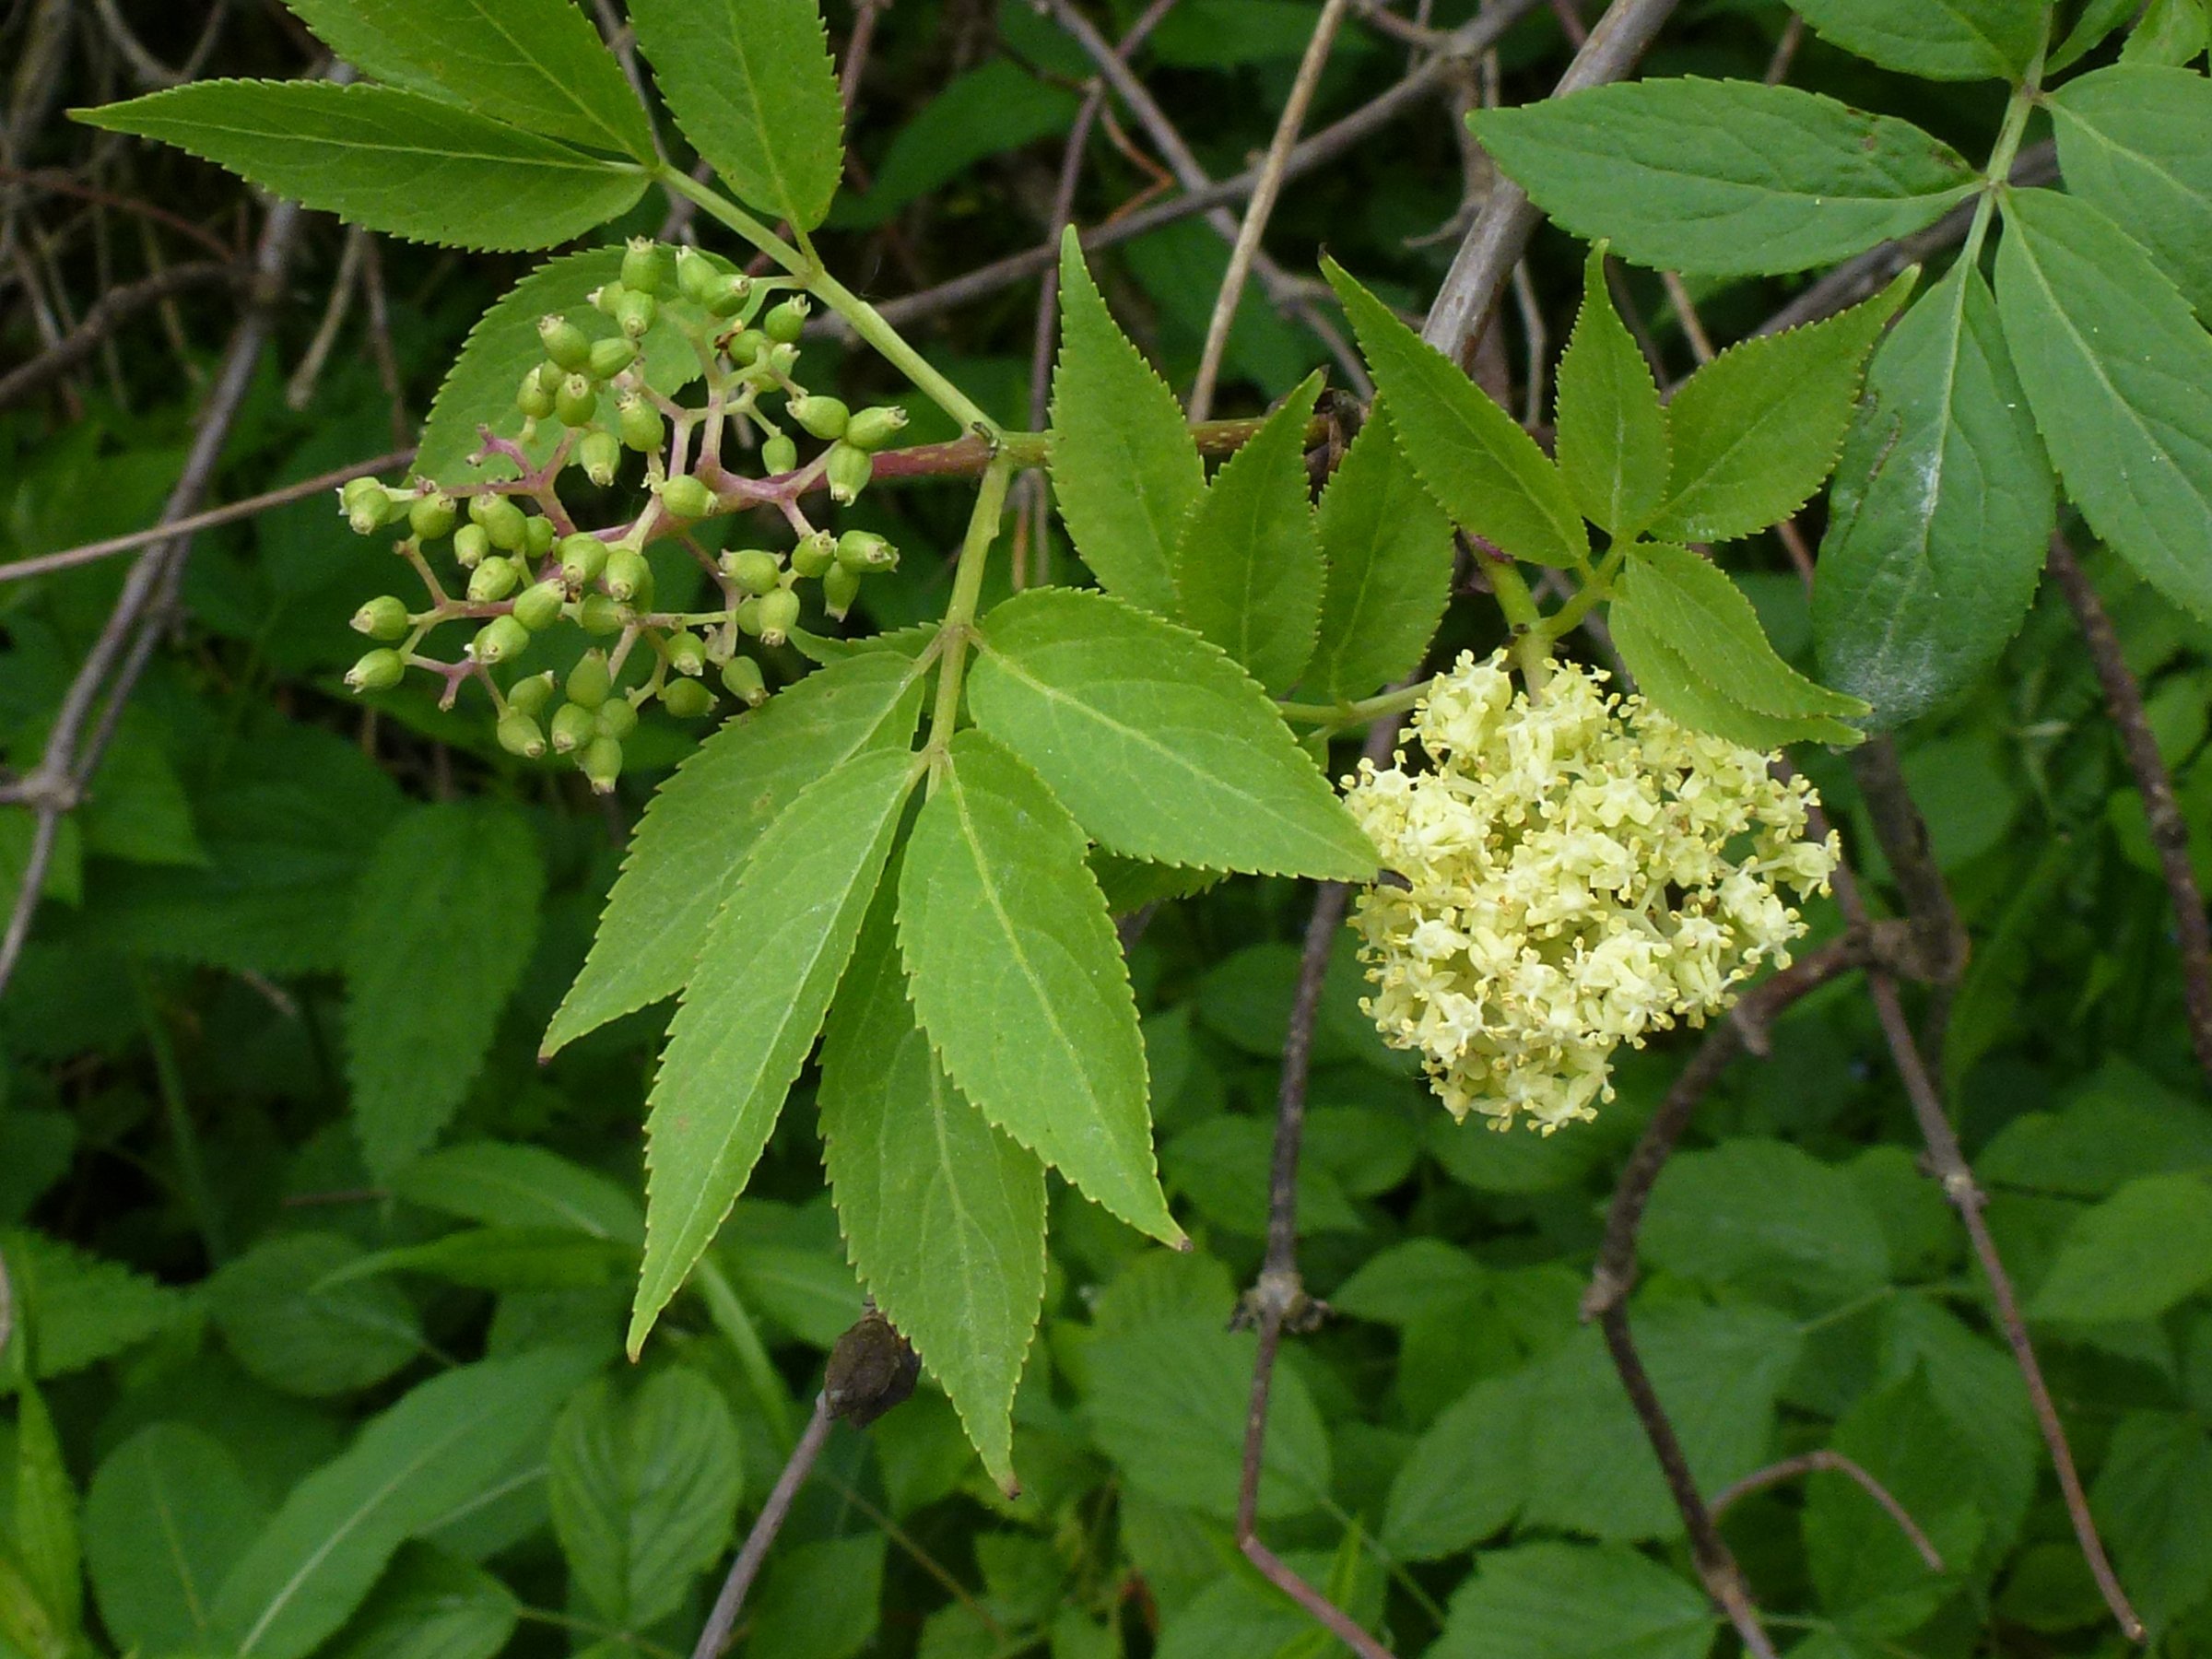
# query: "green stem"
862,318
1532,647
1596,588
1355,713
967,591
1999,170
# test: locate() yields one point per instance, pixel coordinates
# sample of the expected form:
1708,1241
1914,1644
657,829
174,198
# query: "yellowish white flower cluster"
1581,870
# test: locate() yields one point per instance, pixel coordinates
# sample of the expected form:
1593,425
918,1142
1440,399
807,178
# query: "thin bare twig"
1500,234
108,312
1245,249
2169,829
1824,1460
773,1513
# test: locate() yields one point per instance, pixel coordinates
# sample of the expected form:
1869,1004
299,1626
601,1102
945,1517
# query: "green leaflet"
943,1213
394,162
754,1004
1124,470
1467,1475
1161,747
82,1308
2153,1497
2169,33
1248,571
534,63
502,1185
1940,40
1536,1600
293,1323
1388,546
2116,372
2135,1255
1723,177
1940,511
2098,20
478,390
1756,430
643,1490
700,826
751,83
431,1605
167,1514
1487,472
1702,613
440,1447
1019,978
1768,1217
2135,142
1168,1401
442,926
1613,446
41,1520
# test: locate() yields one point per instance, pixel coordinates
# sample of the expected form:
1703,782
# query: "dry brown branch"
110,311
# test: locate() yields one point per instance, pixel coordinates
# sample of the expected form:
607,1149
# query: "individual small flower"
1578,871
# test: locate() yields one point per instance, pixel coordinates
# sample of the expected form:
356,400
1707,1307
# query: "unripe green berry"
590,680
840,586
379,671
606,297
572,728
537,535
753,568
639,423
824,416
730,295
581,558
684,653
538,608
848,472
634,315
642,266
501,518
365,503
564,342
872,429
863,550
384,617
493,581
627,575
603,763
499,641
577,401
786,322
747,615
697,276
618,717
534,397
518,735
432,515
609,357
781,360
814,554
687,497
597,615
741,677
779,616
746,347
531,694
600,454
470,545
779,454
687,699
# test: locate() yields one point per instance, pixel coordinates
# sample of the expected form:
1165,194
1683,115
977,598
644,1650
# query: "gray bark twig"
730,1602
1824,1460
110,311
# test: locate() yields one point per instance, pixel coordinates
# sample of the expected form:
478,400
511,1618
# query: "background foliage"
328,1276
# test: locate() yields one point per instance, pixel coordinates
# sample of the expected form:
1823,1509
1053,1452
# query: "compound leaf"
754,1004
1162,747
2116,370
702,825
391,160
943,1213
1019,978
1724,178
1487,473
1124,470
1248,569
751,83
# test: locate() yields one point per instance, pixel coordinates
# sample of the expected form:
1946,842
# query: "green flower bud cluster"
518,570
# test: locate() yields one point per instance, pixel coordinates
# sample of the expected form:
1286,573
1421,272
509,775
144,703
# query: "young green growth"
365,505
378,671
520,735
603,763
686,498
565,343
687,699
600,455
741,678
779,454
538,608
384,617
786,322
872,429
583,557
492,581
572,728
590,680
432,516
849,470
824,416
502,640
814,554
577,401
643,268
